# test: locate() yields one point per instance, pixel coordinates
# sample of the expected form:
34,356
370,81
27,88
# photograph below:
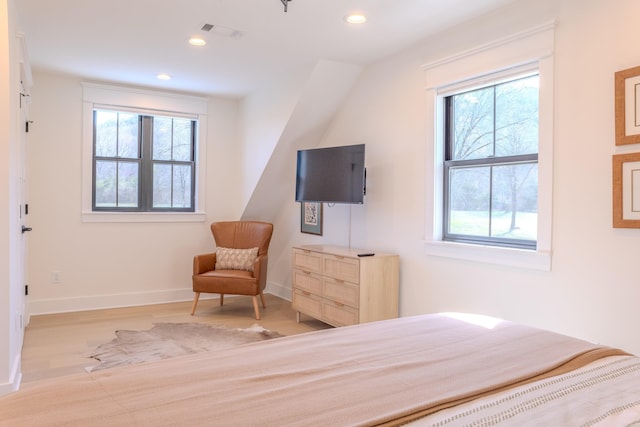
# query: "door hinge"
26,289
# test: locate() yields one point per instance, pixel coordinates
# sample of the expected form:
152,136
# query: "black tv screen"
331,175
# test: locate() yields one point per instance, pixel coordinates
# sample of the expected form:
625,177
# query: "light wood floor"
58,344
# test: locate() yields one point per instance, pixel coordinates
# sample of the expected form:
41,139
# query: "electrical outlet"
55,277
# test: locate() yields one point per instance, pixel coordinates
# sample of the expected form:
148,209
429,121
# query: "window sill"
143,217
510,257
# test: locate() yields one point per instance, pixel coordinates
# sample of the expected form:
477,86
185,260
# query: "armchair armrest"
203,263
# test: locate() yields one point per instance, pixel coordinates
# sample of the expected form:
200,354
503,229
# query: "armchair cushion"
236,259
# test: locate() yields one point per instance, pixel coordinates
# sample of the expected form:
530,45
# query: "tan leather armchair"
238,237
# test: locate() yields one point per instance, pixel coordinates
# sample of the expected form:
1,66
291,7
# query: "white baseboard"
279,290
99,302
15,379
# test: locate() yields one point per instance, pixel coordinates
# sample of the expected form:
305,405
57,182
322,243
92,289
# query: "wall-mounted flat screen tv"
331,175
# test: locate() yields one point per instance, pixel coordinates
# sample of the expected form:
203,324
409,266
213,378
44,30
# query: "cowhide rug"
165,340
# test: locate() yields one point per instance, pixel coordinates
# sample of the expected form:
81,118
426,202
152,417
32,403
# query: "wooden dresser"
333,284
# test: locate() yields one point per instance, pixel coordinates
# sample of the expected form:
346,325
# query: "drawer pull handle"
306,272
338,304
306,293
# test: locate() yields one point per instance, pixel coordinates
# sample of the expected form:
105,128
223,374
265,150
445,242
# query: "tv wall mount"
285,3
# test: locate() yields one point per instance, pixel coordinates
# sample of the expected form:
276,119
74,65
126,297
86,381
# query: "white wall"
112,264
264,116
593,289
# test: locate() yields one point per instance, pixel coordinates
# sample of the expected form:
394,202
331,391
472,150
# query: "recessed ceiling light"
163,76
197,41
355,18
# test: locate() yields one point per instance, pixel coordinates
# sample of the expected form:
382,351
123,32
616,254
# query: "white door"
23,126
24,204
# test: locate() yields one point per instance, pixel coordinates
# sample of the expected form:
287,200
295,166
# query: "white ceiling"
131,41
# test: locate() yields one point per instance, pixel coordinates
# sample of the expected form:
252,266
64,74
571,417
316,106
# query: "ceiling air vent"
221,30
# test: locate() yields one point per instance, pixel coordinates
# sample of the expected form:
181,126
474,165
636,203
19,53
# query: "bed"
445,369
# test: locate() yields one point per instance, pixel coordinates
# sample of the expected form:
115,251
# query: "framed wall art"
627,100
626,190
311,218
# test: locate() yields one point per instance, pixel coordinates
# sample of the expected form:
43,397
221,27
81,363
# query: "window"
491,164
142,162
143,155
471,182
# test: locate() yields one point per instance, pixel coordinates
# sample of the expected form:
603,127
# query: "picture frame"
626,190
627,106
311,218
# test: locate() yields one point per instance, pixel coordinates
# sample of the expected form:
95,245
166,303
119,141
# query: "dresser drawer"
347,269
307,260
339,314
307,281
307,303
342,292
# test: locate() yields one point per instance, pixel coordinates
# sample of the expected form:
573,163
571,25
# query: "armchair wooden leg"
221,299
255,307
195,303
262,299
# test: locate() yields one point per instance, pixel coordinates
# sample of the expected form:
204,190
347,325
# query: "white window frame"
143,101
530,49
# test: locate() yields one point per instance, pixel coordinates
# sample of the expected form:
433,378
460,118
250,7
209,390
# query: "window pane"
106,128
171,186
473,125
106,183
172,139
469,196
116,134
162,132
517,117
127,184
181,186
512,190
182,140
161,186
515,202
128,146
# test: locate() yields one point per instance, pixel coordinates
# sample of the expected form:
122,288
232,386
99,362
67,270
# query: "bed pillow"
235,259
